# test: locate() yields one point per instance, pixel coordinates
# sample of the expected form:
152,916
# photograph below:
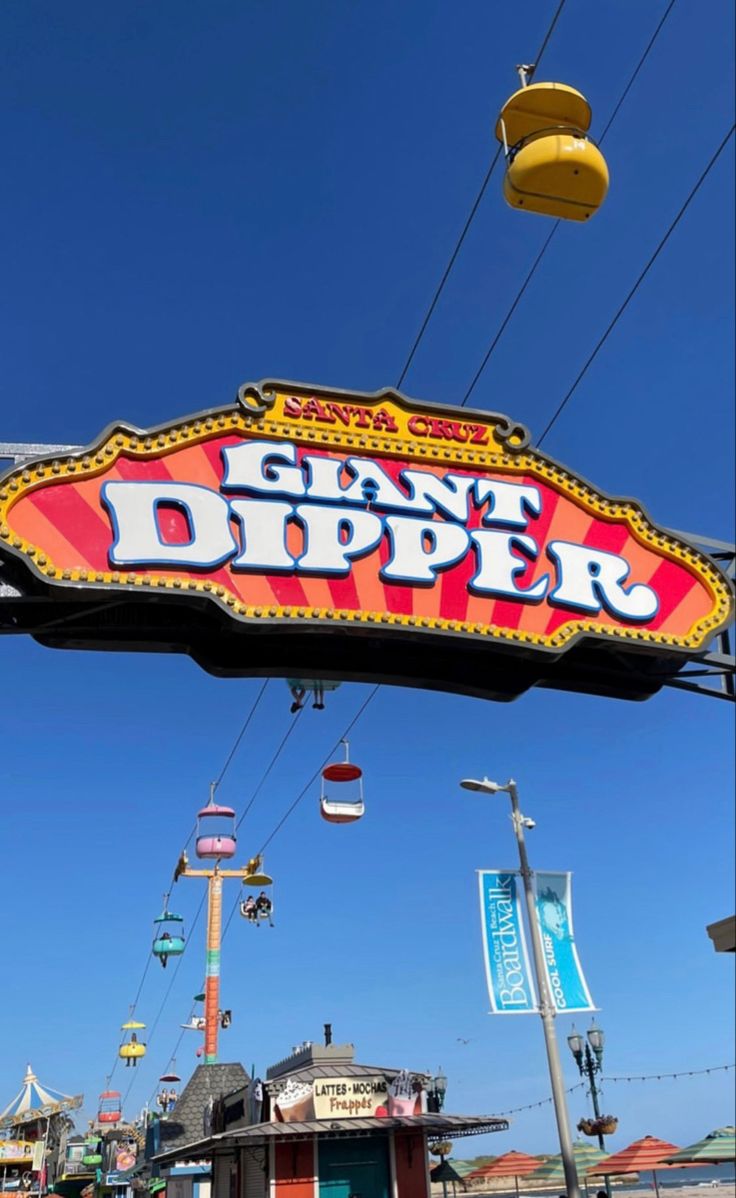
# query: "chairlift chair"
168,937
132,1049
552,166
344,773
255,878
92,1155
109,1107
301,687
215,840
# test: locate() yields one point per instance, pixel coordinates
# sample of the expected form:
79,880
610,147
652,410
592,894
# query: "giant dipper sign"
331,534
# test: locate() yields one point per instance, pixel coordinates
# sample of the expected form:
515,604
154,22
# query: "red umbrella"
642,1156
511,1164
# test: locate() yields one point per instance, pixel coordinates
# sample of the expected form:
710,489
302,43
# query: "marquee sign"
332,534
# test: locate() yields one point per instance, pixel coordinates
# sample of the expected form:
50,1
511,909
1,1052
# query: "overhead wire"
633,290
264,777
271,764
298,799
165,998
228,761
305,789
469,220
240,736
515,303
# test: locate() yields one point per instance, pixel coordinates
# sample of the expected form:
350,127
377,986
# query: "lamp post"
547,1009
589,1063
436,1091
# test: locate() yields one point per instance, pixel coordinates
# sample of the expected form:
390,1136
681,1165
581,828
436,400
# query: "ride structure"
552,166
37,1117
212,847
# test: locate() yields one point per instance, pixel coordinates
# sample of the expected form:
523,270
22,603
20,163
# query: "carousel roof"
35,1099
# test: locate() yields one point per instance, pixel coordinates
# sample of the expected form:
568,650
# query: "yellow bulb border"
159,443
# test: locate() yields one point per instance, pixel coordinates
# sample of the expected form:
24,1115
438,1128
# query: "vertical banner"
568,987
510,986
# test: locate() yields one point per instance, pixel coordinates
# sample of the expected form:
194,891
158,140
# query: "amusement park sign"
337,535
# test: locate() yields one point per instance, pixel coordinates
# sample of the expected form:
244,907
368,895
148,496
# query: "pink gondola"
215,840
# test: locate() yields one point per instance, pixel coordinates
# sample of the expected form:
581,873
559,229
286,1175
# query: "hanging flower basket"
605,1126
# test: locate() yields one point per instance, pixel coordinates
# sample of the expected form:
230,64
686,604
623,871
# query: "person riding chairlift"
264,906
299,693
131,1060
250,910
163,957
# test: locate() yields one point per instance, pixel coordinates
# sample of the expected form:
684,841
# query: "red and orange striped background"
68,522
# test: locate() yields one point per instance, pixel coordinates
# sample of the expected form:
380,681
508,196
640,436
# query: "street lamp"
547,1009
588,1065
436,1091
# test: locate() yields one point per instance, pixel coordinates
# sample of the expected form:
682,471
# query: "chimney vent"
328,1035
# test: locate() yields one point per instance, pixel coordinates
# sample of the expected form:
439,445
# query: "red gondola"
351,807
109,1108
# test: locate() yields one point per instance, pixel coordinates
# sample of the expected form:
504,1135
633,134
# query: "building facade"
321,1125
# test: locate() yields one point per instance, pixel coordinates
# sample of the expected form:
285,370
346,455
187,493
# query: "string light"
648,1077
542,1102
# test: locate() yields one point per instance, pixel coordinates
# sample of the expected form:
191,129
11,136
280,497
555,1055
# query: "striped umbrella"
715,1149
511,1164
643,1156
587,1160
31,1100
463,1167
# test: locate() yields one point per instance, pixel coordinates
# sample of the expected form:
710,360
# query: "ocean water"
668,1179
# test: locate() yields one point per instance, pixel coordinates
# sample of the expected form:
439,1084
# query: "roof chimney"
328,1035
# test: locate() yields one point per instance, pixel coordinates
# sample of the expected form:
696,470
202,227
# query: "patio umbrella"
643,1156
587,1160
715,1149
511,1164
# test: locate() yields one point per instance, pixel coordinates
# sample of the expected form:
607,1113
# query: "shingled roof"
186,1123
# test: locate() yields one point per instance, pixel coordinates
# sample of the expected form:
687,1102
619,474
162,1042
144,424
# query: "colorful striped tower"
212,976
215,879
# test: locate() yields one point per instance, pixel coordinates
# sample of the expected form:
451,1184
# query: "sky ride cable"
632,292
502,327
236,745
333,749
166,996
221,775
316,774
239,737
226,766
470,218
292,725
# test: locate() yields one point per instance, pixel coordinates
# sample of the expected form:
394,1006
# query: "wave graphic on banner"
553,898
510,986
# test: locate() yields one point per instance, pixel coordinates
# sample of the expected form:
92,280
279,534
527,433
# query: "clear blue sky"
195,195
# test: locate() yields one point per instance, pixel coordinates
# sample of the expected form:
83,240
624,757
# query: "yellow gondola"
132,1049
257,909
552,166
